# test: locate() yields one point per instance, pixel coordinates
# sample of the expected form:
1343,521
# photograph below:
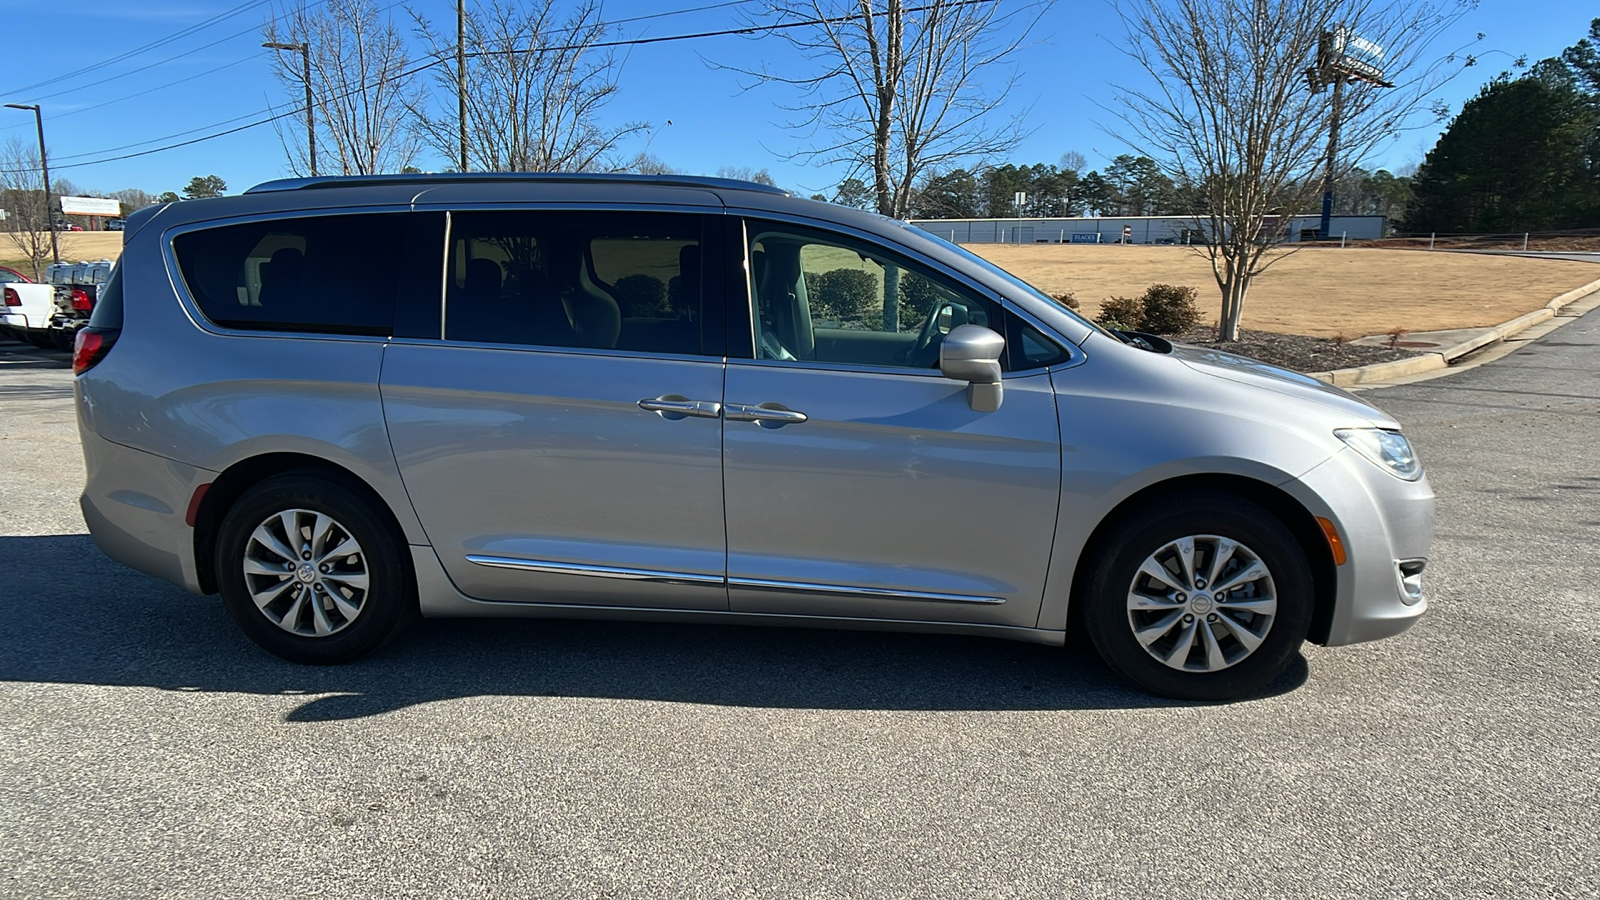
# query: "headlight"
1389,449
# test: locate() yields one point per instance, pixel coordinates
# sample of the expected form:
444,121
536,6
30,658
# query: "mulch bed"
1294,351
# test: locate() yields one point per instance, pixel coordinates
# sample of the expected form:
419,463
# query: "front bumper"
1383,521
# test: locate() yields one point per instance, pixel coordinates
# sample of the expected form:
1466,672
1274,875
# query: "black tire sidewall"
391,597
1105,613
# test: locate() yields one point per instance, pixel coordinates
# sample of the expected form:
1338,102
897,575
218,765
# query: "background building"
1140,229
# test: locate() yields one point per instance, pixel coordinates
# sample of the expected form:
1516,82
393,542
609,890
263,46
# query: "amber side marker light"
1334,543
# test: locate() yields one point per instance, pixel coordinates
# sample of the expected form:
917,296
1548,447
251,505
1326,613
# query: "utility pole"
44,166
461,76
304,49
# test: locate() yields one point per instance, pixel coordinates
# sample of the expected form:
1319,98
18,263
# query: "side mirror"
971,353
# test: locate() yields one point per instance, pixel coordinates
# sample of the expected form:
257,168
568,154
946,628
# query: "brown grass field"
1320,291
1316,291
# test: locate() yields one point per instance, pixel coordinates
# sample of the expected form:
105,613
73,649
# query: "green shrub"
1122,314
642,295
842,295
1069,300
1169,309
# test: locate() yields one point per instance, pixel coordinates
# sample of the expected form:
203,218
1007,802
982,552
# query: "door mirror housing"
971,353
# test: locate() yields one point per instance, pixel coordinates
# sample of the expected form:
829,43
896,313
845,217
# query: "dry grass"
75,246
1317,291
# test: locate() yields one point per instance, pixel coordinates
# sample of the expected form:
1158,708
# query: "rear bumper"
1382,521
135,504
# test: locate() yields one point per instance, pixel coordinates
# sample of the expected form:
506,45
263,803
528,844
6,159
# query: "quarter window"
600,281
333,274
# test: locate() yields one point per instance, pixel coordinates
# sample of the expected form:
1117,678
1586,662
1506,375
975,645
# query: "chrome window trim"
884,593
550,567
541,348
444,275
191,308
1075,355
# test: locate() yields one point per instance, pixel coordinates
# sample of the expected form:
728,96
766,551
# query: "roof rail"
338,181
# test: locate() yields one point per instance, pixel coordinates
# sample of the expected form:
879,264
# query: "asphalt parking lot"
149,750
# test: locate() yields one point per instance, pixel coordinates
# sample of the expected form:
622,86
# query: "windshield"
1009,278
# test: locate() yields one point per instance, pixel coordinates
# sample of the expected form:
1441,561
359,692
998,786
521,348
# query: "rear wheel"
312,572
1206,596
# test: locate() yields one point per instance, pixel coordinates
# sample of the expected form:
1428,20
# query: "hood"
1243,370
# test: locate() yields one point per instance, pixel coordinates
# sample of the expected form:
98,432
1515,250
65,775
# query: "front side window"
599,281
331,274
828,298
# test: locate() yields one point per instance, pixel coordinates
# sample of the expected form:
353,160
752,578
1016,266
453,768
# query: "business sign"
91,206
1342,55
1085,238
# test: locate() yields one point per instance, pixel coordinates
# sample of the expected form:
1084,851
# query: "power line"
159,42
630,42
162,62
660,15
301,109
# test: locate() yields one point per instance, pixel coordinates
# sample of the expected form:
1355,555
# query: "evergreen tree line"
1523,155
1128,186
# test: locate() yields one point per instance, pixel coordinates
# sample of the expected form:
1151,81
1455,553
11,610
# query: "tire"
1190,644
325,614
41,340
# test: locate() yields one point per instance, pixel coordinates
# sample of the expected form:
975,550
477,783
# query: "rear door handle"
767,415
677,406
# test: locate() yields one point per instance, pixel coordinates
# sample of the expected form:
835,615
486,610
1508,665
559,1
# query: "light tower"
1341,57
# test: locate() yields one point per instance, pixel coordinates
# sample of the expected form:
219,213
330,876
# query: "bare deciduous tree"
902,89
361,88
27,212
535,89
1231,114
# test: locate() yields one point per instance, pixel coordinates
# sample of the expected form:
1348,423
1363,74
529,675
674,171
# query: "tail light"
81,301
91,345
11,297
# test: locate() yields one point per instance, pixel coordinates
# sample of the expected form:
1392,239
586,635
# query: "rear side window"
108,304
599,281
330,274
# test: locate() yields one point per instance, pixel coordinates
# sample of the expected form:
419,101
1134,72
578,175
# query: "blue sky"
1064,73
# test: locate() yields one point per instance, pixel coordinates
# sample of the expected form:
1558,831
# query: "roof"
454,178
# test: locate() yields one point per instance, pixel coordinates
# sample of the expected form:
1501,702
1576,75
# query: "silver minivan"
344,402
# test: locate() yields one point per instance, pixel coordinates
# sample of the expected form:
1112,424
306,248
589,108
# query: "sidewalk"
1447,349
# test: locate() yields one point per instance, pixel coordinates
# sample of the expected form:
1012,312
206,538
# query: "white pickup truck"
27,309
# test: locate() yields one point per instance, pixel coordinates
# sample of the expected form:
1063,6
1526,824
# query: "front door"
859,482
561,442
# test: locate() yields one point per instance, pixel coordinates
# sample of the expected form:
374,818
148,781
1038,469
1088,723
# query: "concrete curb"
1441,358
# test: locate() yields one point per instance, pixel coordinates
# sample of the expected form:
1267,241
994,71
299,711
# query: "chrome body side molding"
559,568
548,567
877,593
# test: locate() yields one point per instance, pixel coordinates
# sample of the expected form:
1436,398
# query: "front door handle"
767,415
677,406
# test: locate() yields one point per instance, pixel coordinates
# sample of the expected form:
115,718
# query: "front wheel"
311,572
1206,596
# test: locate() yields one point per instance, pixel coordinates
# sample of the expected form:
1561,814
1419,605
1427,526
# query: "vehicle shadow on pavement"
73,616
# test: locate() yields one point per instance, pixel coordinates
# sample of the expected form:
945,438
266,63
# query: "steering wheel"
924,352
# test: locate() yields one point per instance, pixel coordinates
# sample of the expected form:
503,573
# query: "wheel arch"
232,482
1289,511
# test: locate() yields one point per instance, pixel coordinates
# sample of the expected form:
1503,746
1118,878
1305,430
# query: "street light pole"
304,49
44,166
